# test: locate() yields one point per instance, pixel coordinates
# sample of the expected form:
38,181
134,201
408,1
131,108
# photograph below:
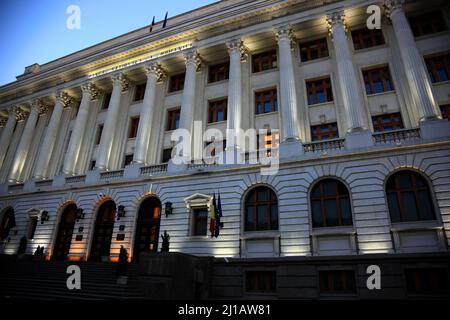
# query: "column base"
59,181
359,140
93,176
29,185
290,149
132,170
434,129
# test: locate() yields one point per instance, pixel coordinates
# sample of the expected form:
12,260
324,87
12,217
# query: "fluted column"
120,85
414,67
8,131
89,93
289,115
46,149
238,54
188,99
350,87
27,135
154,74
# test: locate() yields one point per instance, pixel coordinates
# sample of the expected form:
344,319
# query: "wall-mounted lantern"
168,208
80,214
120,212
44,216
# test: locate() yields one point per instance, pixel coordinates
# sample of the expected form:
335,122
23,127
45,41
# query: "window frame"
445,114
172,118
254,203
214,107
270,285
215,72
378,123
134,127
319,137
346,274
433,66
307,47
417,22
106,100
384,74
359,35
258,59
139,92
176,82
311,89
99,133
195,221
260,96
126,157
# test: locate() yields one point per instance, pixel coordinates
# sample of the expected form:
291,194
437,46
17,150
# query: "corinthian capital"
121,79
17,112
392,5
336,19
154,68
192,57
284,33
63,98
3,121
91,89
237,45
38,106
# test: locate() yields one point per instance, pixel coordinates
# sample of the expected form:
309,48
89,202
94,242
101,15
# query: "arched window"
261,210
409,197
330,204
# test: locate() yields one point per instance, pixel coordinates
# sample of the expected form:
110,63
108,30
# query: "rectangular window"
167,155
106,100
266,101
260,281
438,68
217,110
200,222
387,122
427,281
173,119
98,137
176,82
427,23
366,38
215,147
128,159
219,72
377,80
337,281
319,91
32,227
314,49
264,61
267,142
92,165
324,132
445,111
139,92
134,125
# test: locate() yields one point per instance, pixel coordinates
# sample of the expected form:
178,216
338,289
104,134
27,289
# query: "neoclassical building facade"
357,119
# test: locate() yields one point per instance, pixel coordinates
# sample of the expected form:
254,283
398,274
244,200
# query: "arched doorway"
104,224
147,227
65,232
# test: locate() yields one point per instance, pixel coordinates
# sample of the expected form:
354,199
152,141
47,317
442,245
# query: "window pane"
329,188
262,217
274,217
345,211
262,195
404,180
331,212
249,221
316,214
409,206
393,207
425,205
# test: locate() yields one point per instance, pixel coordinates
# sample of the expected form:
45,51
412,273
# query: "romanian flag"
218,216
212,223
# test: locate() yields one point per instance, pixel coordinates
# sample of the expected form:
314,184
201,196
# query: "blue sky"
35,30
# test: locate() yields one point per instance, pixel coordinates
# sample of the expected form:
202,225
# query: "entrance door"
104,225
65,231
147,228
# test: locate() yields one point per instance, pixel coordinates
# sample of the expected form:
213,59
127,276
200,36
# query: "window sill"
197,237
321,104
209,84
249,235
440,83
265,114
136,102
264,71
331,231
172,93
380,93
431,35
363,50
215,123
318,60
416,225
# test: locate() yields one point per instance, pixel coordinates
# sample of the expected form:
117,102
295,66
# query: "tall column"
188,99
288,95
350,86
414,67
120,85
27,135
8,131
46,150
238,54
154,74
89,93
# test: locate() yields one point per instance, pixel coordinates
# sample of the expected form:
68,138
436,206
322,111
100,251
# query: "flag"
212,223
153,23
165,20
218,217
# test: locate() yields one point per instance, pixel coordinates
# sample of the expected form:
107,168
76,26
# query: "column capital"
237,45
63,98
17,112
121,79
155,69
90,89
392,5
285,33
192,57
3,121
336,19
39,106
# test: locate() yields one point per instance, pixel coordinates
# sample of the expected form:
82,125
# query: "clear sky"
34,31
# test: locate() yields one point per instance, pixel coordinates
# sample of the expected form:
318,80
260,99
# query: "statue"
165,244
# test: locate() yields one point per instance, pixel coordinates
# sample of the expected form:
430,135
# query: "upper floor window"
324,131
445,111
32,224
337,281
106,100
427,23
439,67
219,72
330,204
98,136
167,155
200,221
215,147
173,119
314,49
217,110
387,122
134,125
427,280
377,80
319,91
366,38
128,159
264,61
261,210
409,197
139,92
266,101
260,281
176,82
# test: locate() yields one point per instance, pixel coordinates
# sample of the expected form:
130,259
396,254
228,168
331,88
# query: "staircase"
46,280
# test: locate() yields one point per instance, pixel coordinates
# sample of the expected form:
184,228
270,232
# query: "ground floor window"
200,221
427,281
337,281
260,281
